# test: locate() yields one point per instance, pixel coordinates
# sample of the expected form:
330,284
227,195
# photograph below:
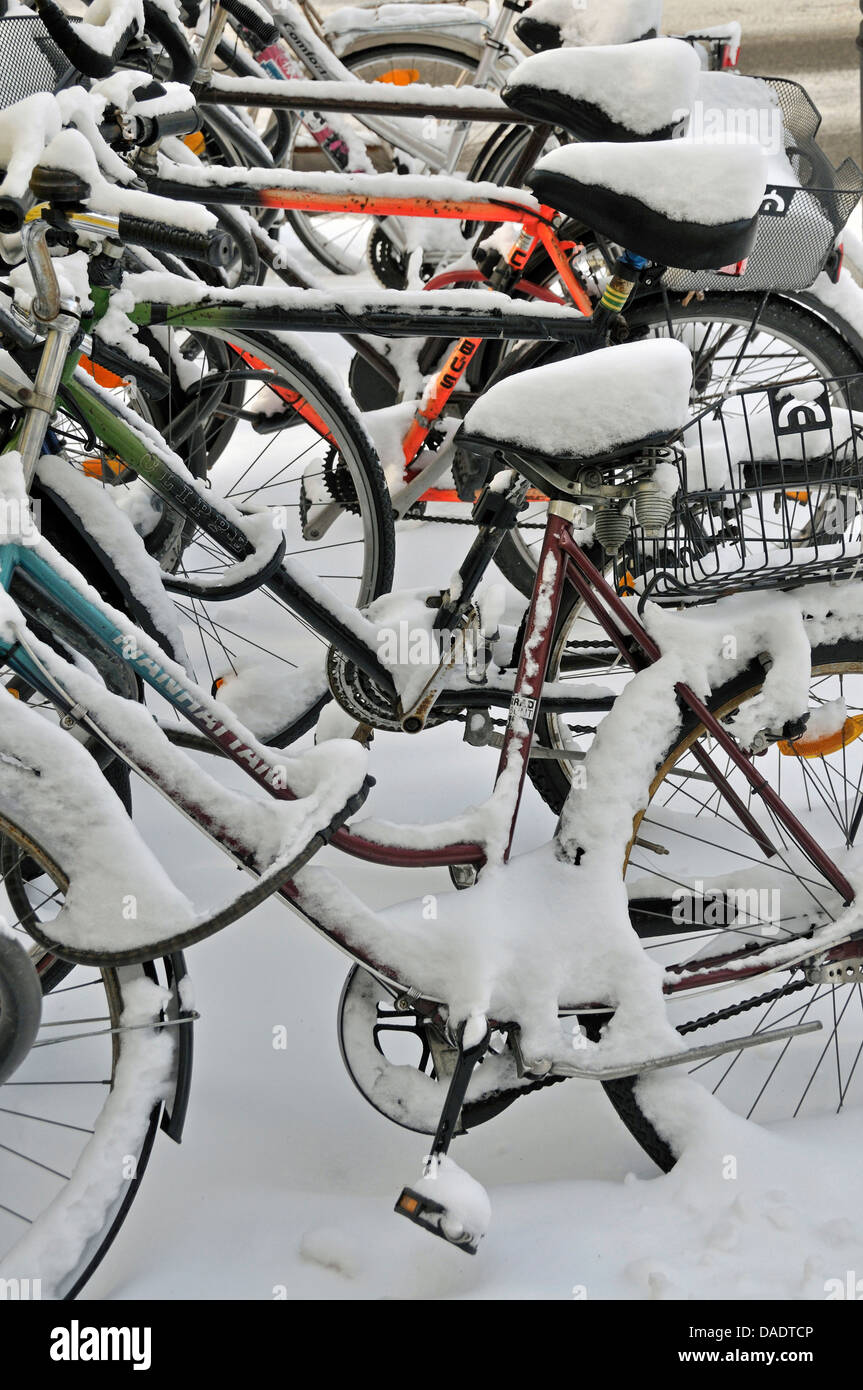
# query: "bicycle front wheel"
79,1116
341,241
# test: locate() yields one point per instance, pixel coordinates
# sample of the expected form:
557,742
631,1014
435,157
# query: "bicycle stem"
34,238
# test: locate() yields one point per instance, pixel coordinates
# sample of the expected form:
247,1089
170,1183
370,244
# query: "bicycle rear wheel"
746,339
701,888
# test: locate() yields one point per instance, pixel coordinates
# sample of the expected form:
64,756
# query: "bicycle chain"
720,1015
413,514
590,646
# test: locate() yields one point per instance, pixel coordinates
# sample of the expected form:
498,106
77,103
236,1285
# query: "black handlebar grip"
216,248
152,128
178,123
251,19
12,212
89,61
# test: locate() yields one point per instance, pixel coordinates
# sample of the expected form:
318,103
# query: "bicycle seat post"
59,319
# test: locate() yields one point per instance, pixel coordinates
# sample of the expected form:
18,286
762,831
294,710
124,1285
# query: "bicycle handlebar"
92,62
136,129
159,26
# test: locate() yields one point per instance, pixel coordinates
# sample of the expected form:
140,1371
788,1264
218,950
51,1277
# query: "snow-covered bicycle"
500,1003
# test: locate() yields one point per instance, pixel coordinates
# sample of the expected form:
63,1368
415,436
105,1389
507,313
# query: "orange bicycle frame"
536,229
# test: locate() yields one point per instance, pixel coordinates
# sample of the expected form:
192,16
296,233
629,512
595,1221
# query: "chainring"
365,701
339,483
388,265
412,1094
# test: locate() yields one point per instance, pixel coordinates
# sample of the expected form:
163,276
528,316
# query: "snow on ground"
286,1179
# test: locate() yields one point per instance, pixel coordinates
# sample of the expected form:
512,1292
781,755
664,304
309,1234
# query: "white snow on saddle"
613,21
644,86
685,181
591,405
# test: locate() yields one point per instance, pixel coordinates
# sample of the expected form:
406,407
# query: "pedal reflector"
434,1217
104,468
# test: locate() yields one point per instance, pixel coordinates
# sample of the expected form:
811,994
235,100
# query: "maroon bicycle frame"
563,561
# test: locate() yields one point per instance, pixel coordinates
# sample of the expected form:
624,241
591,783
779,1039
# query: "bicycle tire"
396,54
64,1279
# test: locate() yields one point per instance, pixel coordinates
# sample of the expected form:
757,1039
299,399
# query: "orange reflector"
626,583
101,375
97,467
13,692
218,683
817,745
196,141
400,77
798,496
407,1202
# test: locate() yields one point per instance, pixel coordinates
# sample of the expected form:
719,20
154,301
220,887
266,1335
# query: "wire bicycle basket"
798,221
770,495
32,62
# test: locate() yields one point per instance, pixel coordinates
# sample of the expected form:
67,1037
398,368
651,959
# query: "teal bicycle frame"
21,566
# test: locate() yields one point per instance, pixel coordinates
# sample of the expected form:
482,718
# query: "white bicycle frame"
305,37
323,65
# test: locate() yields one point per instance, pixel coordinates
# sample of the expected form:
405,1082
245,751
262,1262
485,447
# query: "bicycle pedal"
436,1218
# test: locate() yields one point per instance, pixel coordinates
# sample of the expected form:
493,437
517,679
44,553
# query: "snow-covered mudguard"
124,593
177,1103
20,1004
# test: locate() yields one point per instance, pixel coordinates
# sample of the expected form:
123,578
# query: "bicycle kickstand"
458,1210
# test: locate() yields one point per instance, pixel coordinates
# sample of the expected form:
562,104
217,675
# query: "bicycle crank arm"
320,519
675,1059
427,476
